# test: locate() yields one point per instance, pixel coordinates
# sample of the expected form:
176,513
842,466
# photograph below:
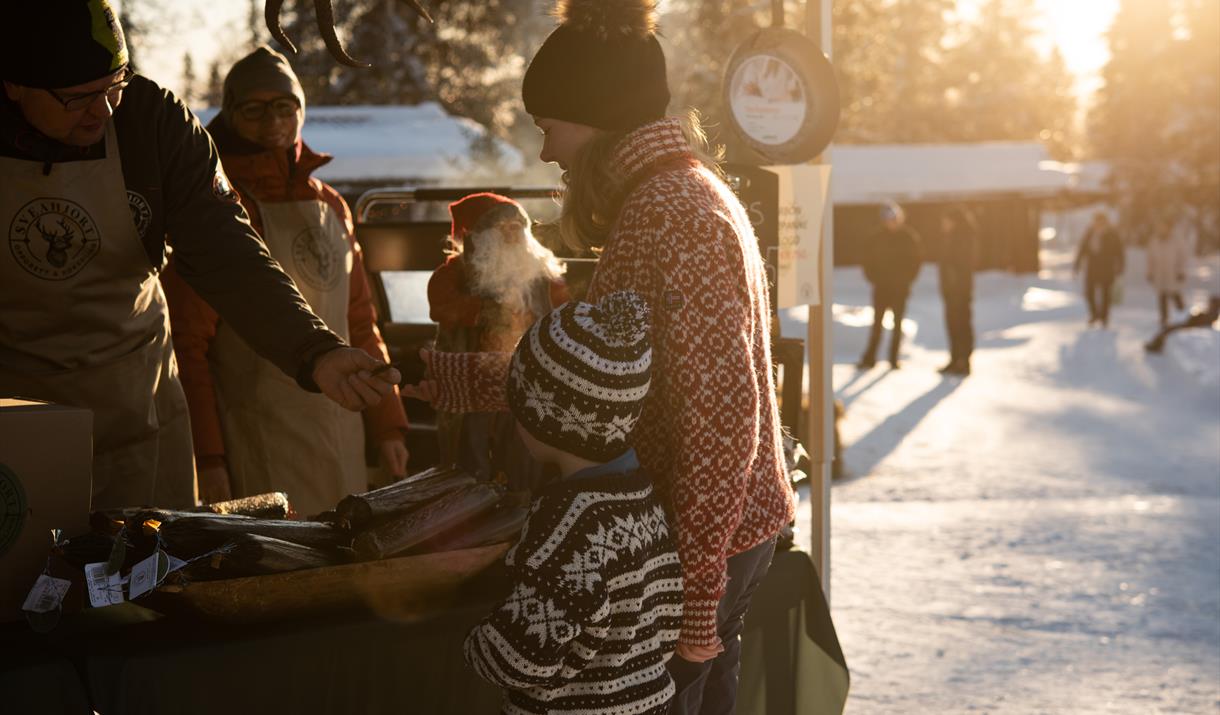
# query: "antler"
49,236
325,14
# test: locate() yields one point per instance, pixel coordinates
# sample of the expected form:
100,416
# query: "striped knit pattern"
579,376
595,607
709,431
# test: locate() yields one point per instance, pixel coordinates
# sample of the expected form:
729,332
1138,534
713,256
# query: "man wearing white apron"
254,429
91,193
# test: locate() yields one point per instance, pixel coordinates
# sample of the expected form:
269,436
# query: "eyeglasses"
113,94
281,108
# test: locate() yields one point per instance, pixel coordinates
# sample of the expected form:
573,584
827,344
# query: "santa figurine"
497,280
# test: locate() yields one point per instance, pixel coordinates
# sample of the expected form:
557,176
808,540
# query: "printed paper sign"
46,595
803,191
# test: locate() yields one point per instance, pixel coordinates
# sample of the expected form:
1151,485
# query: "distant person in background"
891,265
1167,265
959,249
1101,256
1196,319
254,430
497,281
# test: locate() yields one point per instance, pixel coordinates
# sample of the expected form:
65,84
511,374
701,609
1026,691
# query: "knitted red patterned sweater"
709,432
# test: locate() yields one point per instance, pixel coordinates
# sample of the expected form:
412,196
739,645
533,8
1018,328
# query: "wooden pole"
819,436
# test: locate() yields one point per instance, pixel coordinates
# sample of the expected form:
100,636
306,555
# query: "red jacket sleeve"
193,324
387,420
448,302
471,382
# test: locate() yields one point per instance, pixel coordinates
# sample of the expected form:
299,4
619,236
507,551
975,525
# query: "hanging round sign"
13,508
782,96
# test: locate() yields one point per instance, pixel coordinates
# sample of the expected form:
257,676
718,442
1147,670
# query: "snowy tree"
1194,136
1146,113
188,78
214,95
890,56
256,24
471,60
1002,86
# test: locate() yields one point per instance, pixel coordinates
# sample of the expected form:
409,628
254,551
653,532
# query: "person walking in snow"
1102,259
1168,261
672,231
891,265
254,431
1197,319
593,638
959,240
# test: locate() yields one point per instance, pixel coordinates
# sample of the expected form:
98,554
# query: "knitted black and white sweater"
596,604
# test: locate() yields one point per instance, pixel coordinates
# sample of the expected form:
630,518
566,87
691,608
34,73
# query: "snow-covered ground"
1040,537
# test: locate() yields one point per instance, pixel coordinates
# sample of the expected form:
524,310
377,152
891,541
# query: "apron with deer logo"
83,322
279,437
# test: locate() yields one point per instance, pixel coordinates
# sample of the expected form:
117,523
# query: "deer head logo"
320,254
59,242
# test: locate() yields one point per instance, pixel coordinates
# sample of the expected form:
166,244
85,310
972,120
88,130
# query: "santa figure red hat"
498,278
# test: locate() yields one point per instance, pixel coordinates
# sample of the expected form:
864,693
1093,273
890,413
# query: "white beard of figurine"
507,261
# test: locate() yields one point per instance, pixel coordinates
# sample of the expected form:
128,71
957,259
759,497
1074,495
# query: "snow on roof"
396,145
869,174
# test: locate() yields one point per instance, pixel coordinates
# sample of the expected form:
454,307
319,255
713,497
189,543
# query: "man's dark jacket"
893,260
182,199
958,254
1107,262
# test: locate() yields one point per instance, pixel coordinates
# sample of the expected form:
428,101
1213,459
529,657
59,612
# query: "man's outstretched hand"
345,375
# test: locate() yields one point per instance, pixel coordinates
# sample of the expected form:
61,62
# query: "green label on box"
13,508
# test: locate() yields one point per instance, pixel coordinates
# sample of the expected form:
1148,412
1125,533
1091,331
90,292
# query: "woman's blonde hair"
590,201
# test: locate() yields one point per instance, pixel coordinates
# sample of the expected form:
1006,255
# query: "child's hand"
426,390
699,653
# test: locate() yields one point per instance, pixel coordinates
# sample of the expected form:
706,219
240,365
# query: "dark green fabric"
52,44
791,661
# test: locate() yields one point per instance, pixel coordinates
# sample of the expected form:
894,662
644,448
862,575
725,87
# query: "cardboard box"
46,475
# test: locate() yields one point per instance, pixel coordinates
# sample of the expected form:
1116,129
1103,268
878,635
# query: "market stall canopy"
872,174
401,145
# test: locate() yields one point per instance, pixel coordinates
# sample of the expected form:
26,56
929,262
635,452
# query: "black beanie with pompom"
602,67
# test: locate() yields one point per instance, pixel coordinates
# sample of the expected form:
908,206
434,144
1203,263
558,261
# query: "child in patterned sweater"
596,602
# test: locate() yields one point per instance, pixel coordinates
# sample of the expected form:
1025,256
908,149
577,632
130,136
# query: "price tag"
46,595
144,576
104,589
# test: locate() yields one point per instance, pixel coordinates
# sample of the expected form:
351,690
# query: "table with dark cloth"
129,660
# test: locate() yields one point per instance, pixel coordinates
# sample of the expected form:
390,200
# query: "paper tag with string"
46,595
104,589
148,574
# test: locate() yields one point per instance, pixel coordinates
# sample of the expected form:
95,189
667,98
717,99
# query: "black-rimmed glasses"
113,94
280,108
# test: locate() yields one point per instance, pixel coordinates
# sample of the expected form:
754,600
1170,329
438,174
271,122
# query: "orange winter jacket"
268,176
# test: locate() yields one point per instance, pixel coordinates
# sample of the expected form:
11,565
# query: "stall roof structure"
871,174
423,144
397,145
